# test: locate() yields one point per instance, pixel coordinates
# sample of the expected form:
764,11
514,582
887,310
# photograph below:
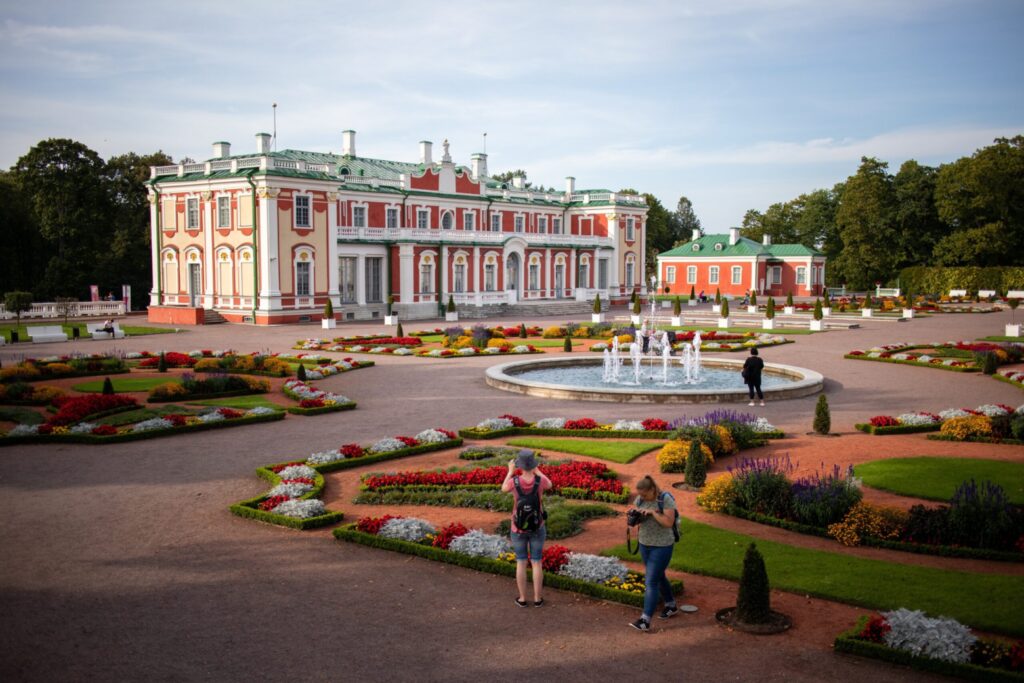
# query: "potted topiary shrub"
161,365
717,306
866,311
1013,327
399,332
753,612
817,324
789,309
328,322
908,310
666,303
450,314
692,301
752,306
826,306
17,303
723,317
677,313
636,310
597,316
300,373
391,318
768,323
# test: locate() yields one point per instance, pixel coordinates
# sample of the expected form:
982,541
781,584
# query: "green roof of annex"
717,246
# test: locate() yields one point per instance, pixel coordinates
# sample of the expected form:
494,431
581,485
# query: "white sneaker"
762,404
751,403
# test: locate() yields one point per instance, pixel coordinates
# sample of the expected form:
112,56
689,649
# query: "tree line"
69,219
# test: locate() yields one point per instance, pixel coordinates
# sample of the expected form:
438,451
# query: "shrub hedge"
298,410
897,429
250,508
914,363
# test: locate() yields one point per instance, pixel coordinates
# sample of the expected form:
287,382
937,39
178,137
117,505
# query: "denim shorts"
529,543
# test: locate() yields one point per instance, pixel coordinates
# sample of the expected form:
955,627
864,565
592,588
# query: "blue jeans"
529,543
656,559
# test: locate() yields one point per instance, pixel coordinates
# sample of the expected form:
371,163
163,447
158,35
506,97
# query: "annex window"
359,216
776,275
737,275
223,212
670,275
801,275
468,220
302,203
391,218
713,275
691,275
423,219
192,214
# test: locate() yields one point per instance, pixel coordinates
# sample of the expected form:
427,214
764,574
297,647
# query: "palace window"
489,279
423,219
468,218
302,202
302,278
542,224
519,223
374,269
534,276
359,216
426,278
192,214
446,220
629,273
556,226
602,273
460,278
630,229
347,279
223,212
495,222
391,218
583,279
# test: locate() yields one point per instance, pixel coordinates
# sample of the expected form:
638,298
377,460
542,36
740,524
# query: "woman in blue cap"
528,528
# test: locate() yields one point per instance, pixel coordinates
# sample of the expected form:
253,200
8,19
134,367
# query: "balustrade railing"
50,309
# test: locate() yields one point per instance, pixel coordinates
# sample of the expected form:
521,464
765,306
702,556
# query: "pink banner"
94,292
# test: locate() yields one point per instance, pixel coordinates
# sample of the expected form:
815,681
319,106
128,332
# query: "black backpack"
528,515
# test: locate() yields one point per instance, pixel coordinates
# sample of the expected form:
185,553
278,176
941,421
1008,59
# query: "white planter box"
867,312
666,304
908,312
716,308
751,309
677,321
391,319
452,317
826,310
597,317
635,319
817,325
328,323
768,324
788,310
1012,330
723,323
692,302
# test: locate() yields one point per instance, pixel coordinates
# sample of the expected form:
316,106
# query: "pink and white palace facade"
269,237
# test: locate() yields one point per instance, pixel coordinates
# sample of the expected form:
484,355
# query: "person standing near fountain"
528,531
752,368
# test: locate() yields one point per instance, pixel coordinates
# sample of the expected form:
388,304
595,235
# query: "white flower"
991,410
402,352
82,428
521,348
900,356
195,354
406,529
600,346
259,410
468,351
915,419
24,430
301,509
297,472
875,354
711,345
762,426
378,349
357,348
493,424
152,424
480,544
324,457
292,490
492,349
212,416
924,358
431,436
386,446
593,568
948,361
342,365
1020,409
944,639
313,374
132,355
551,423
433,353
950,413
628,426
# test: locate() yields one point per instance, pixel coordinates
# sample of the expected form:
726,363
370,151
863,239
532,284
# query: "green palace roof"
717,246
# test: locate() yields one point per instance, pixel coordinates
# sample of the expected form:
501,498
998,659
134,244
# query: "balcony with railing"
427,235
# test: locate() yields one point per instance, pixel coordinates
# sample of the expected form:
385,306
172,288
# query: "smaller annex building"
736,265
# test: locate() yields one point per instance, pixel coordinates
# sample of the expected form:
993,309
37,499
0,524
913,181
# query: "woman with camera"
654,513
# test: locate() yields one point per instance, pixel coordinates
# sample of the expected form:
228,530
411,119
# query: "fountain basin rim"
503,377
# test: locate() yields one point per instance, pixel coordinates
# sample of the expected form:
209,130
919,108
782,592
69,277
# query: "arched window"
447,220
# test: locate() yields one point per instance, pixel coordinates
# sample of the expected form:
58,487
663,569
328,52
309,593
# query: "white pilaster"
332,249
548,274
208,256
405,271
442,263
155,260
270,258
361,280
478,273
572,274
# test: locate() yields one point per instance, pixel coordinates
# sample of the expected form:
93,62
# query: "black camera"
634,517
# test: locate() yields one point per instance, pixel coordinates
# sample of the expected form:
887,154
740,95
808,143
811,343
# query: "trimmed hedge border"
568,492
250,508
137,436
848,643
474,433
298,410
937,366
349,463
977,439
896,429
351,534
918,548
1004,378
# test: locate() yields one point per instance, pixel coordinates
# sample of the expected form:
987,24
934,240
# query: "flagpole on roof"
275,126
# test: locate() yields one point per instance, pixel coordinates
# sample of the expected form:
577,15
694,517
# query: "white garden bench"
1015,294
96,331
986,293
46,333
957,292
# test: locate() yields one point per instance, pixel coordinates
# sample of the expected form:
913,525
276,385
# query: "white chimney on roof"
426,152
570,185
518,182
766,240
263,143
696,235
734,236
221,150
348,143
478,165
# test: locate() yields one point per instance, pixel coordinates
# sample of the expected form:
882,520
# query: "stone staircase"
212,317
534,309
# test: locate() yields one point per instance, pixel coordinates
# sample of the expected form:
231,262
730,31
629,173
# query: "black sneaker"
668,612
641,625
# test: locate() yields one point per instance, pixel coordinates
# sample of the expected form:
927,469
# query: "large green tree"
917,221
686,220
662,230
866,223
23,257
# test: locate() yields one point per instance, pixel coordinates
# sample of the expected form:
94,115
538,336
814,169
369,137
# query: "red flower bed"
655,424
447,432
352,450
372,525
272,502
554,558
979,346
175,419
588,476
884,421
875,629
408,441
104,430
582,423
298,480
446,535
277,468
855,353
399,341
74,409
230,413
172,358
516,421
311,403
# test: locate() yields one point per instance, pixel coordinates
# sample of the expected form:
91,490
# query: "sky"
734,104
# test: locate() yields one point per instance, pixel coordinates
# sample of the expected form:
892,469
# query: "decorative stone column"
332,250
269,296
406,265
155,262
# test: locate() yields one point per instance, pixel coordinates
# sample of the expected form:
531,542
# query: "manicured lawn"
615,451
124,384
21,415
130,330
986,601
937,478
1003,339
239,402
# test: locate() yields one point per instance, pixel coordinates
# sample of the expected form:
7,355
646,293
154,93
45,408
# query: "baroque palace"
269,237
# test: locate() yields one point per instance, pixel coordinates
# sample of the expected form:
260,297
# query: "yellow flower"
718,494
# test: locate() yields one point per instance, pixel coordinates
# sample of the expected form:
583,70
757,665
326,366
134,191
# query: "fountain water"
658,346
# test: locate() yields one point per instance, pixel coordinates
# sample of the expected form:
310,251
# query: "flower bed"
715,341
954,356
54,367
939,645
326,367
23,394
251,364
172,359
485,552
1014,377
344,344
956,424
190,388
650,428
165,425
314,401
293,501
391,448
586,480
504,348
